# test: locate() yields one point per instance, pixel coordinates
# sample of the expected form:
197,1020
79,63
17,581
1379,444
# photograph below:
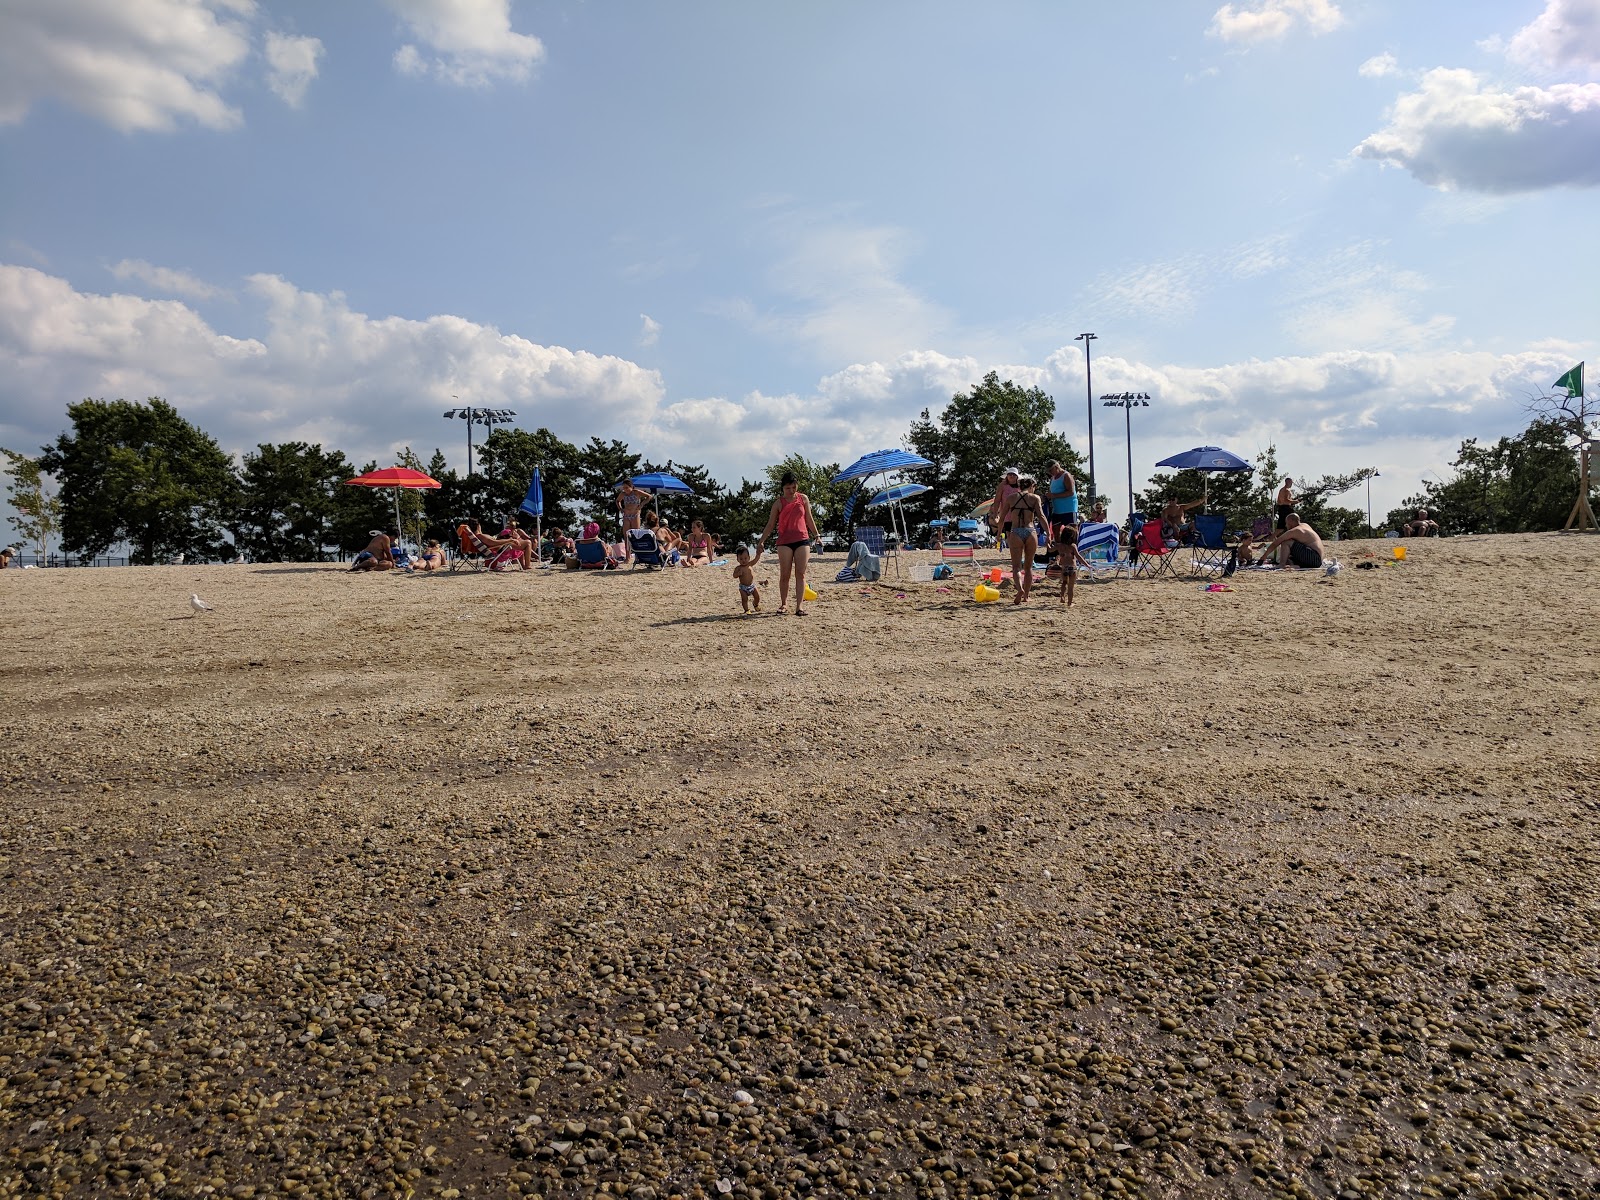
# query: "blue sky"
724,232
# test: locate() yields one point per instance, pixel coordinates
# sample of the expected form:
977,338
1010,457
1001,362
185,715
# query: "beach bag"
847,575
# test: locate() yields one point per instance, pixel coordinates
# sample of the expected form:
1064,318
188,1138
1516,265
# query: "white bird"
198,604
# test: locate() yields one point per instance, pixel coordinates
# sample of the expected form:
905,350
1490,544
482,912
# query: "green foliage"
1517,484
599,467
37,506
975,438
507,460
140,473
287,500
357,511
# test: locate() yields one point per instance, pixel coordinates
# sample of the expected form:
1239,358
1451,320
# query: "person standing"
1285,503
1023,519
796,528
1063,490
1000,506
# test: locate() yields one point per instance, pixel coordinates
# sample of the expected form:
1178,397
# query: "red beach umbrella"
396,478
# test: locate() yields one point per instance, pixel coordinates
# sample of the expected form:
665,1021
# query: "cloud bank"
1272,20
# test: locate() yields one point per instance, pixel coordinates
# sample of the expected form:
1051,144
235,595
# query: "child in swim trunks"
1068,556
745,576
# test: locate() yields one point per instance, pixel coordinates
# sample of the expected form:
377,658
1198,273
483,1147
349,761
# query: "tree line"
140,474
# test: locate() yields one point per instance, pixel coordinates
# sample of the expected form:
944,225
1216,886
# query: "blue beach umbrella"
533,505
661,483
881,462
1206,459
899,492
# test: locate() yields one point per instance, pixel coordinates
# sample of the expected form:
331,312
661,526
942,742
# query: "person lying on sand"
1298,545
432,557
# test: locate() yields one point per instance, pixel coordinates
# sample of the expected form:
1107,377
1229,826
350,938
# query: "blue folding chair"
1210,550
644,548
1099,544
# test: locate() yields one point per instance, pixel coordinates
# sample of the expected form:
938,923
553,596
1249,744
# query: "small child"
745,576
1068,556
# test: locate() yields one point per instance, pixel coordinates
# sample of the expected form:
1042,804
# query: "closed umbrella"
533,505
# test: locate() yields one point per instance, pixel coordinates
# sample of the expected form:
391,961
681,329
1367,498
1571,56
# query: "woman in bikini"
791,517
1000,506
697,551
1024,516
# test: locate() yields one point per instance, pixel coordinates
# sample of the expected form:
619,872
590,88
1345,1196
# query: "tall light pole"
1370,478
1088,396
1126,401
479,416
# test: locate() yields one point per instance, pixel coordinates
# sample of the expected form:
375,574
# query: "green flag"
1572,381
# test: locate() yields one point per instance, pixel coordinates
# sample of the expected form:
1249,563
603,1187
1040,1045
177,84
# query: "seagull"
198,604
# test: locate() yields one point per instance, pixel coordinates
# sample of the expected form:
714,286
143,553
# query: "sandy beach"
549,883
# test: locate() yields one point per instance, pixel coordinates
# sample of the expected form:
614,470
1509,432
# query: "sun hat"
1014,471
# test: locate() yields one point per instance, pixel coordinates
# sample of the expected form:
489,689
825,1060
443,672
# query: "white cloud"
1271,20
1172,289
649,330
1565,35
321,372
843,296
1379,66
165,279
471,42
134,64
291,65
1353,297
1458,132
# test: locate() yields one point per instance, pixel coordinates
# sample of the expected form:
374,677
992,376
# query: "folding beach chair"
1099,544
1154,555
644,548
872,535
970,529
592,556
956,556
1210,551
479,555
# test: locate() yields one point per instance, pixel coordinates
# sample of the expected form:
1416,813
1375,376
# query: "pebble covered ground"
540,884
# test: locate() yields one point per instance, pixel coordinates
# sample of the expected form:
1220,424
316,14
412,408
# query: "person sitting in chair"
1421,525
1298,545
1175,528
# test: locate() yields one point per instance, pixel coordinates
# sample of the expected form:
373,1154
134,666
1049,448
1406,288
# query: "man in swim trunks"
1175,528
1298,545
1063,495
1285,504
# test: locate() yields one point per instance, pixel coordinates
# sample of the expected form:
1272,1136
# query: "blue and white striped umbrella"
899,492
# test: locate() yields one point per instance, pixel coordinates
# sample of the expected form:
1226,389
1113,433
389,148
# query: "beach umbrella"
1206,459
533,505
899,492
396,478
982,510
881,462
660,483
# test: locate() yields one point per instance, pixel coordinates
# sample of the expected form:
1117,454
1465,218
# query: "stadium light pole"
1088,397
1127,401
473,415
1370,478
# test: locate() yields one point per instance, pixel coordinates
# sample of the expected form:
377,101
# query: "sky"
725,231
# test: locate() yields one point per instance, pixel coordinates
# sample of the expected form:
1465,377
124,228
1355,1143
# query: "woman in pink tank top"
791,517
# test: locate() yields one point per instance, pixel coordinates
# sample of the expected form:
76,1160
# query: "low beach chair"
1099,544
958,555
480,555
644,549
592,556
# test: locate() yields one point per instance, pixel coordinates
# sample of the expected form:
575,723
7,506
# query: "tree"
142,474
37,506
508,458
356,512
287,500
600,465
976,437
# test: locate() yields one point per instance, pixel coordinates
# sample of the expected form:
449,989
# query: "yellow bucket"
983,593
1399,553
809,594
